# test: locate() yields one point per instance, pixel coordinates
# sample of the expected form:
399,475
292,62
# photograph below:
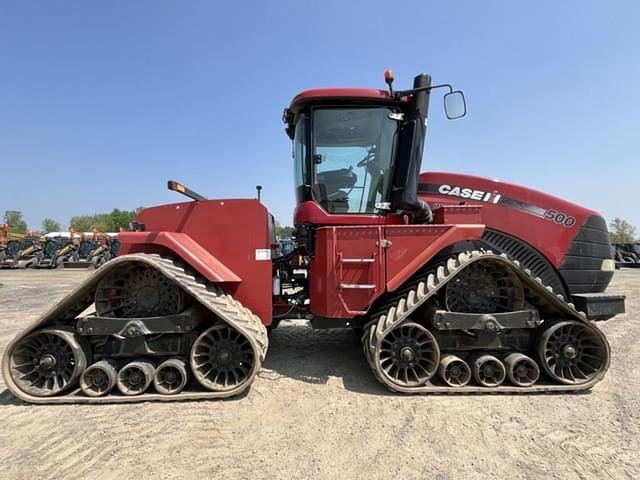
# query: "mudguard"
183,246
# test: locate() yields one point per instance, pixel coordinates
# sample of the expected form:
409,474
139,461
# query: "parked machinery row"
627,255
58,250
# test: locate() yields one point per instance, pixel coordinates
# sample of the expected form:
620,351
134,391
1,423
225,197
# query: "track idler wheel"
409,355
522,371
98,379
488,371
222,358
170,377
454,371
47,362
572,353
135,377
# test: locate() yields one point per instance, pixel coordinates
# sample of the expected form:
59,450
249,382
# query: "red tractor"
456,283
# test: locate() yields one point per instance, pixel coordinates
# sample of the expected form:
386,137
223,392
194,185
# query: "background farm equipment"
108,248
4,232
21,252
54,252
627,255
93,250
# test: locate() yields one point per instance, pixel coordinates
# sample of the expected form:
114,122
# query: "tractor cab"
358,151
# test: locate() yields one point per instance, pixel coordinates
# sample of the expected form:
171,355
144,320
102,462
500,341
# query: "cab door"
348,271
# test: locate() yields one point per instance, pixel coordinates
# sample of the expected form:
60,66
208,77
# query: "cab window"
352,157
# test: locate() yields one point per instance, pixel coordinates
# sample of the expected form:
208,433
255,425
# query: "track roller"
135,377
522,371
98,379
47,362
454,371
488,371
170,377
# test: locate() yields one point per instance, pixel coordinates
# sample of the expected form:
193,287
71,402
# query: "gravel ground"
316,412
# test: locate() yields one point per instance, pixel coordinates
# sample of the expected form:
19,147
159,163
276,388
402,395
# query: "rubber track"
409,299
223,305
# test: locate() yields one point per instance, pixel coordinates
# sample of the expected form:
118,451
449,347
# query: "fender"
184,247
413,246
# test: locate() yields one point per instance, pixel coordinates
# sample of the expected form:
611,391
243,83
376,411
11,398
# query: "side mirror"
455,105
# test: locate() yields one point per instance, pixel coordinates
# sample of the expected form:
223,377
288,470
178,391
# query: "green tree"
82,223
15,221
285,231
621,231
104,222
50,225
121,218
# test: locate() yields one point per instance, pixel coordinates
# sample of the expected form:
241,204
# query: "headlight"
608,265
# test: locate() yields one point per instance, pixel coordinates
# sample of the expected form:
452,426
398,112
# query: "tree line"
620,231
103,222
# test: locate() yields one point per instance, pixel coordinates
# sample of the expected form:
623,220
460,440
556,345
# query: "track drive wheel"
485,287
138,291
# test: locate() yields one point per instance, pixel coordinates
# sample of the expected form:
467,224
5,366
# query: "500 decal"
560,218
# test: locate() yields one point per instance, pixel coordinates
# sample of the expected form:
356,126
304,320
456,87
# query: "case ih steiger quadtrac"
457,283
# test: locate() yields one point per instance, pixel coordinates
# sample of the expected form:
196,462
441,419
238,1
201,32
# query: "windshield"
352,157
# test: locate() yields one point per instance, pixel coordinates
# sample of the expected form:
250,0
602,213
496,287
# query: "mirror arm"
404,93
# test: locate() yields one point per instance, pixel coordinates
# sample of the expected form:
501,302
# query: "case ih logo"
470,193
496,198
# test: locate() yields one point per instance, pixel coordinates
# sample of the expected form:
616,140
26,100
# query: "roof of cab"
357,94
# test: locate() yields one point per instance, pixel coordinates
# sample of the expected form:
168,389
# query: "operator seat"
338,202
331,184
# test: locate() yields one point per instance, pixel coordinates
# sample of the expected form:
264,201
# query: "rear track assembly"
53,360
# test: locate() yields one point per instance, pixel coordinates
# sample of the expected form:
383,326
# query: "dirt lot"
316,412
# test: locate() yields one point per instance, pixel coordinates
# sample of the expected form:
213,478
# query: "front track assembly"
159,332
478,323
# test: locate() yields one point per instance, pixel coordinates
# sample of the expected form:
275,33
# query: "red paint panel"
456,215
314,214
186,248
347,273
412,246
341,93
230,231
512,217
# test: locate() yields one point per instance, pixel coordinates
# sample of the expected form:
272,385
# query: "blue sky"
102,102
